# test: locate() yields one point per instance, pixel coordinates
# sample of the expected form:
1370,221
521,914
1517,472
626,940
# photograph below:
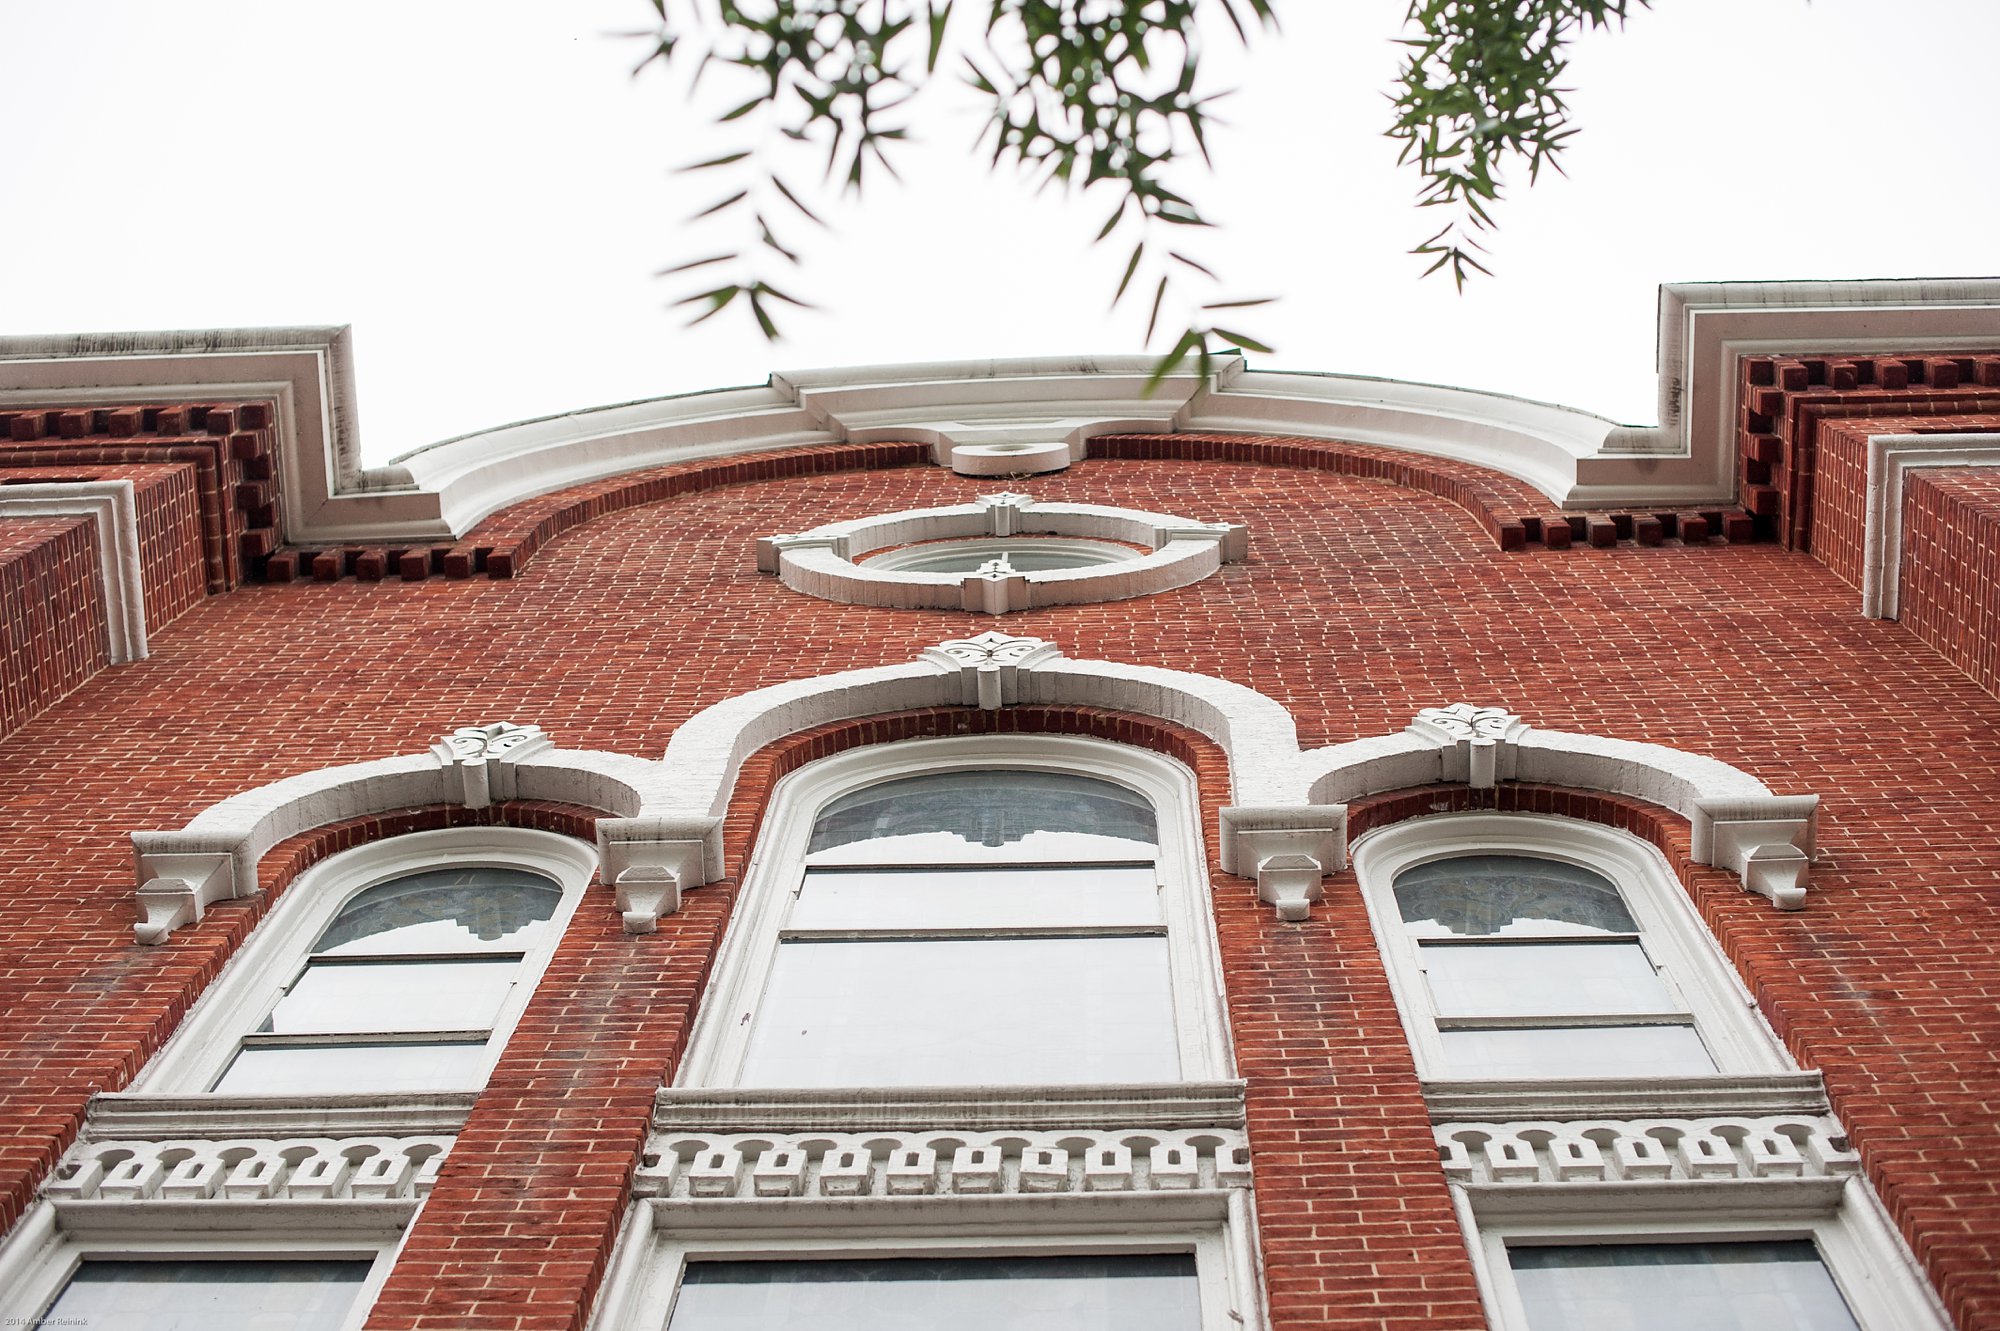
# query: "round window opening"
1020,554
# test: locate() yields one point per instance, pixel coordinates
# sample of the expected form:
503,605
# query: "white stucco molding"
1705,328
1004,416
113,508
824,561
1891,458
214,857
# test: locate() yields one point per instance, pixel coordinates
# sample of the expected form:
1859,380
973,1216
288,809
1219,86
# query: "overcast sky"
485,193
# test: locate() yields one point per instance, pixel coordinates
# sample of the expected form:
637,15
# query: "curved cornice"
437,493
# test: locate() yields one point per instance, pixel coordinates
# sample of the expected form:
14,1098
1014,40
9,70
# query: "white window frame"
264,968
777,869
1723,1013
1868,1263
661,1238
46,1250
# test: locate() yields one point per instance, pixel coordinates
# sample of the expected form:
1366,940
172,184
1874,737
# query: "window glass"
1010,1011
1549,979
1780,1286
1485,896
945,898
447,910
1114,1293
1577,1051
387,996
314,1069
208,1296
955,815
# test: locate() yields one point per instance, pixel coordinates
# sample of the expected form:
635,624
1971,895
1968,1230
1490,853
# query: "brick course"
1362,601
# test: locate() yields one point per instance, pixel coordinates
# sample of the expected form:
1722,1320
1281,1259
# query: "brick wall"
1950,585
1361,601
52,630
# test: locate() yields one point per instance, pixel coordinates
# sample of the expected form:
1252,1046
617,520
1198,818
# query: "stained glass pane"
956,816
1779,1286
1501,895
1138,1293
208,1296
976,898
446,910
1007,1012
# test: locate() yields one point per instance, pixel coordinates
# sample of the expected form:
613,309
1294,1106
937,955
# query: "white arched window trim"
255,978
777,866
1678,943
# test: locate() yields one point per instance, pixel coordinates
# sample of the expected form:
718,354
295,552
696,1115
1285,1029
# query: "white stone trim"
113,509
826,561
1752,1094
1891,458
214,857
1125,1106
1645,1150
248,1169
906,1162
1719,1007
253,980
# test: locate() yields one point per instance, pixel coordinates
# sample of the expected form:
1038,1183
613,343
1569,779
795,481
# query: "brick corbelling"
1783,403
1513,513
172,575
501,545
53,636
1949,589
231,445
1840,487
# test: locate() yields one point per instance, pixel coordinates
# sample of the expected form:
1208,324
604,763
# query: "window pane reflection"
208,1296
385,996
1779,1286
946,814
328,1068
976,898
1543,979
1012,1011
447,910
1578,1051
1481,896
1140,1293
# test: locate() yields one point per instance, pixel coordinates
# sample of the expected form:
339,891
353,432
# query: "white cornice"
437,493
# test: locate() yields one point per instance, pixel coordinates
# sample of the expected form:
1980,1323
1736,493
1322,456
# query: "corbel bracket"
176,887
1766,840
483,758
1288,849
649,862
1477,743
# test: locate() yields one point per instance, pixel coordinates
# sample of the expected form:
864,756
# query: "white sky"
484,193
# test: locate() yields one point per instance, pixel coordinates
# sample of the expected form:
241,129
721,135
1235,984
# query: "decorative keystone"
995,588
771,548
1478,742
484,758
649,862
1766,840
988,666
1004,512
175,888
1287,849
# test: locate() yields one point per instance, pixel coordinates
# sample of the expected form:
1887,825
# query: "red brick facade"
1373,589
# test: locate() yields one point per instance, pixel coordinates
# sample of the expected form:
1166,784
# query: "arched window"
1003,911
1540,948
397,966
